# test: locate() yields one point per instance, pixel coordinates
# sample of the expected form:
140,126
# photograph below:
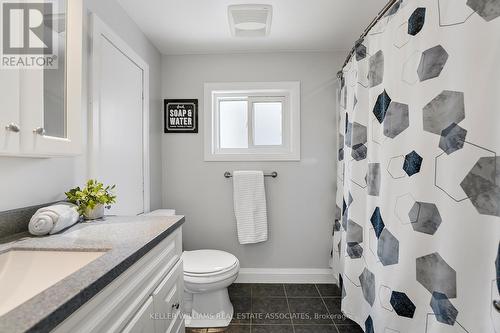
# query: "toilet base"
210,309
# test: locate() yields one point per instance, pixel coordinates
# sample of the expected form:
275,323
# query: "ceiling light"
250,20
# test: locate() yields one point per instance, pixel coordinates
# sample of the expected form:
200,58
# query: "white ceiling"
201,26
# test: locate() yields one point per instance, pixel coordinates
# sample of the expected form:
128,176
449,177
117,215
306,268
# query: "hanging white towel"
250,206
52,219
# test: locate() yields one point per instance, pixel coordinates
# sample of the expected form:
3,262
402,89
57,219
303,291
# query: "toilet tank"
161,212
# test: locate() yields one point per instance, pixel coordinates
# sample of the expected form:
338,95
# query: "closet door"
119,126
9,111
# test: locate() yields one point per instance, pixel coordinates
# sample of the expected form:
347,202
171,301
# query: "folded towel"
250,206
52,219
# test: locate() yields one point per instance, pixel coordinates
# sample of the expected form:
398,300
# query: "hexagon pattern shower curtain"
417,231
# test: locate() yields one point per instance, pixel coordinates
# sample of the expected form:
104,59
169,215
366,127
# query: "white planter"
94,214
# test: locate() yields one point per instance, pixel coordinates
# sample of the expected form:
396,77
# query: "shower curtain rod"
365,32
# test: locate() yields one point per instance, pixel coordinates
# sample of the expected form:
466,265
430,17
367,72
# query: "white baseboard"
286,275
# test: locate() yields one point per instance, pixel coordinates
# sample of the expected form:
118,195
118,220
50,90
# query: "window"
252,121
268,123
233,120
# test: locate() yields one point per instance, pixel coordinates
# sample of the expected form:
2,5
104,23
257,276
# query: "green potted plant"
92,199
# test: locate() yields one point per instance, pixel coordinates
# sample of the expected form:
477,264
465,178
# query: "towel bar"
273,174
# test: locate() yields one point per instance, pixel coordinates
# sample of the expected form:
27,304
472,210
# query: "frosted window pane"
233,118
268,124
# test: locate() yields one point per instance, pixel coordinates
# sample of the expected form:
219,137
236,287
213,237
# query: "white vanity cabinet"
147,297
41,107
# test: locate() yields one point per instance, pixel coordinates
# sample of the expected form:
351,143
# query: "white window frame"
286,92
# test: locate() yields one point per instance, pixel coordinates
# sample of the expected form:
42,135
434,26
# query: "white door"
119,109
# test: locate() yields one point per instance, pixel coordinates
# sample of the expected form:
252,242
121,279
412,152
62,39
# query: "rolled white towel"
52,219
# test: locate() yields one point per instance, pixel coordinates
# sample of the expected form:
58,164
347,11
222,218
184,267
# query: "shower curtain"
417,225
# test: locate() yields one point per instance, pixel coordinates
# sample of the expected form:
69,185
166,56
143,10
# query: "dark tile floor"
286,308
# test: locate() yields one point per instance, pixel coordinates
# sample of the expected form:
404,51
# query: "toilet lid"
207,261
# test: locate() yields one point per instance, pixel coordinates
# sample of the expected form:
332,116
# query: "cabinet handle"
175,306
13,128
39,131
496,305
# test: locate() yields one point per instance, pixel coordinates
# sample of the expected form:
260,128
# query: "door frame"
101,30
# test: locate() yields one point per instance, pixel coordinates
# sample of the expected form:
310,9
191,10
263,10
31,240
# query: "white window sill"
251,157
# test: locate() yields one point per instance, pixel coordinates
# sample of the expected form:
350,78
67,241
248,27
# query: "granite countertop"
125,240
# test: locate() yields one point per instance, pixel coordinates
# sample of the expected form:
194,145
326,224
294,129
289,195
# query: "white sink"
24,274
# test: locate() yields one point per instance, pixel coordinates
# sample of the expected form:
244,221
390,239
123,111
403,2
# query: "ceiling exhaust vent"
250,20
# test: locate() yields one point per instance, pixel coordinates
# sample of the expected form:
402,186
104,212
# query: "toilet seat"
208,263
213,274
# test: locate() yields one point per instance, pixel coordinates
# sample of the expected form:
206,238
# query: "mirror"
54,79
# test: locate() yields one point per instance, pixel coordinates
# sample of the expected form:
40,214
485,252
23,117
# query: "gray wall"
27,181
300,201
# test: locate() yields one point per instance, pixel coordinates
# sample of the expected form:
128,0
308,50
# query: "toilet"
207,275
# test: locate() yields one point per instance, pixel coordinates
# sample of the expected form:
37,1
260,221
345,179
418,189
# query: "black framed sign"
180,115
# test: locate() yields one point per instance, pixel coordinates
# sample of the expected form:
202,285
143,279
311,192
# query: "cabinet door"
51,103
142,321
9,111
181,328
168,300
